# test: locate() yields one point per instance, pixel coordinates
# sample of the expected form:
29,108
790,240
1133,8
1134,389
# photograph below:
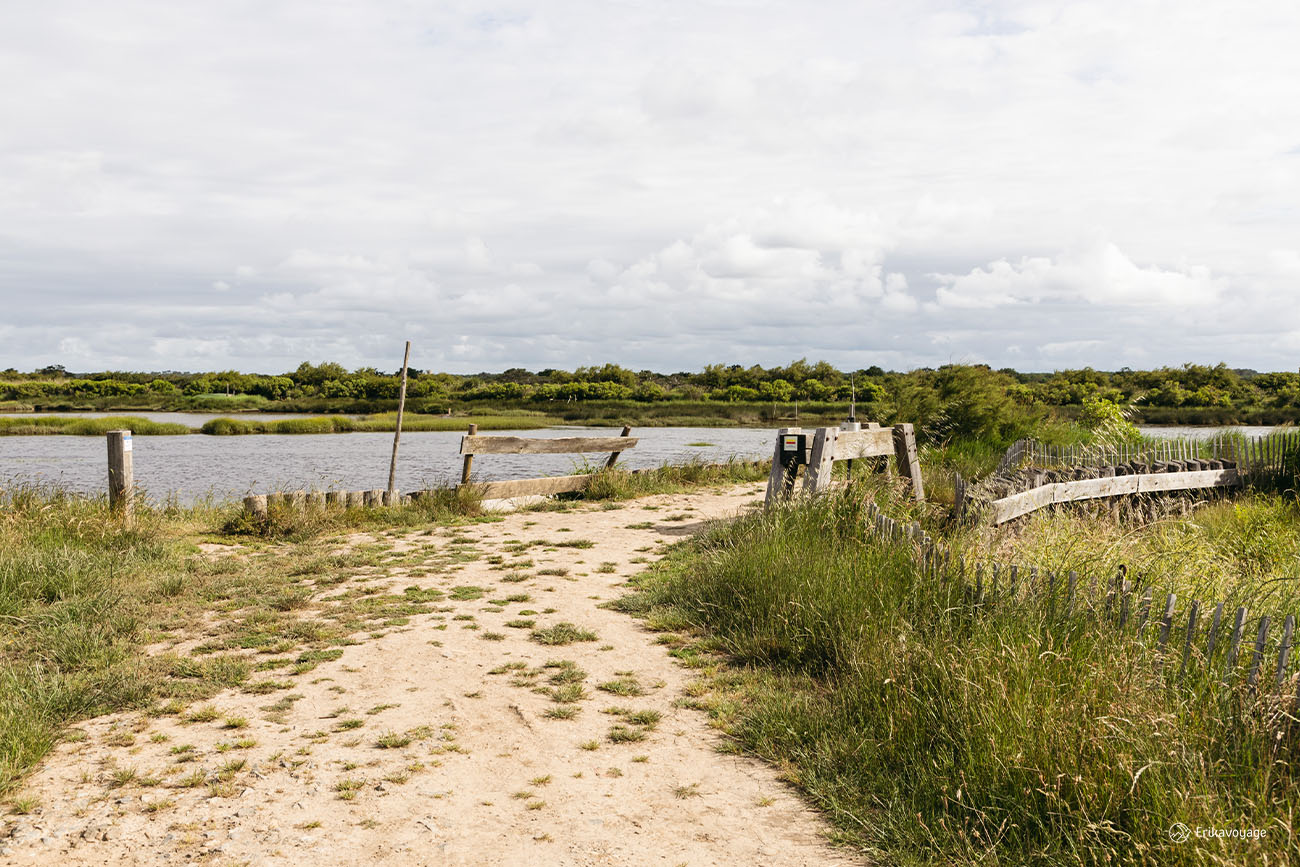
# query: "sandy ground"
486,778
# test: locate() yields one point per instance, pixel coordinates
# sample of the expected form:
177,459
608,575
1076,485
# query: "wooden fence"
471,444
1252,455
828,445
1198,642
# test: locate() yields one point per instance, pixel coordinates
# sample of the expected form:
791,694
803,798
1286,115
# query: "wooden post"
469,459
256,507
776,480
397,434
121,475
908,465
817,477
613,457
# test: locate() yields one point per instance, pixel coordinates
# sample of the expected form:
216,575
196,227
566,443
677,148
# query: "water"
189,419
1202,432
195,466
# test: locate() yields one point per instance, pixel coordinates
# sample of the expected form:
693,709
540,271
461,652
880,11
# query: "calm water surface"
196,466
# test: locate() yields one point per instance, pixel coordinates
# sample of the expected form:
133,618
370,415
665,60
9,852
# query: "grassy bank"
382,422
87,426
930,737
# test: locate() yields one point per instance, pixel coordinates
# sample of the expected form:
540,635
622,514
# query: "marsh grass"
933,737
377,423
78,426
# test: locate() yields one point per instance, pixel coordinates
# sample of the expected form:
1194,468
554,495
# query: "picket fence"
1209,639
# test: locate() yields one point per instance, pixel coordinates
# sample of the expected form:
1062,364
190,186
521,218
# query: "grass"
562,634
932,737
76,426
379,422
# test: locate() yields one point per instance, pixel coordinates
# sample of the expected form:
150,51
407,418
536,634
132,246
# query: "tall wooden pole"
397,434
121,474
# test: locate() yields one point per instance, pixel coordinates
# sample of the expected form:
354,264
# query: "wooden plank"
477,445
1191,632
613,458
1152,482
1235,648
1087,489
1284,650
777,480
1009,508
1258,656
852,445
817,475
469,458
908,465
533,487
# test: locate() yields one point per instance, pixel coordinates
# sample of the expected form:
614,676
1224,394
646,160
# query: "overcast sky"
661,184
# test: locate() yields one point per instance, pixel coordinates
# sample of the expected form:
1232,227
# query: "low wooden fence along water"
1213,643
471,444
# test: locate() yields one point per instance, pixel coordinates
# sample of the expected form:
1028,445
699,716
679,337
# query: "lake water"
1202,432
229,467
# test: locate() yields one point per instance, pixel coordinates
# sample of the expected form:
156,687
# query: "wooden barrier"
831,444
471,444
1016,505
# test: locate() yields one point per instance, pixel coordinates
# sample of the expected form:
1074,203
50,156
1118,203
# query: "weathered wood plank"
908,464
489,445
869,443
780,477
1023,503
1153,482
817,475
533,487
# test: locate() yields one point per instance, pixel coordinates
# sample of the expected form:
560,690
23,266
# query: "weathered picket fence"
1211,641
1252,455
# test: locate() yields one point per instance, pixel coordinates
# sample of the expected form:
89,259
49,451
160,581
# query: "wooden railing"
471,444
828,445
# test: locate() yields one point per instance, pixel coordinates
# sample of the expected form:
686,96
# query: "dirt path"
478,763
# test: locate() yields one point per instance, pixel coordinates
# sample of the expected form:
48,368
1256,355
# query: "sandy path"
457,793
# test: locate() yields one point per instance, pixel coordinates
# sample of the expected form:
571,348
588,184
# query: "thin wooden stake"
397,434
1191,632
1284,652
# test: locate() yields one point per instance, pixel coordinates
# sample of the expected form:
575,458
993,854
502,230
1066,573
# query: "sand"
486,778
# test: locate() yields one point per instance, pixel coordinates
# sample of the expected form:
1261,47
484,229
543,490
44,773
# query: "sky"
248,185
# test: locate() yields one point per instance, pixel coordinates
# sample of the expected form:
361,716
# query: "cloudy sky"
252,183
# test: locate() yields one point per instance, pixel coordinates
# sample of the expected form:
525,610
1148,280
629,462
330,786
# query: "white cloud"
660,184
1099,275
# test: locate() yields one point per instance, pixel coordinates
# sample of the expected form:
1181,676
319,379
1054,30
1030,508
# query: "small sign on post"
121,476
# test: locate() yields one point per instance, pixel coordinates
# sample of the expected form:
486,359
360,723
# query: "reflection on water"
226,467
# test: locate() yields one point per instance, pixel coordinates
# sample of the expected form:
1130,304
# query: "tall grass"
87,426
66,566
382,422
933,737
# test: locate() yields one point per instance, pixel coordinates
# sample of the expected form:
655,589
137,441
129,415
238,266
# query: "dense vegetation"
943,400
932,735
